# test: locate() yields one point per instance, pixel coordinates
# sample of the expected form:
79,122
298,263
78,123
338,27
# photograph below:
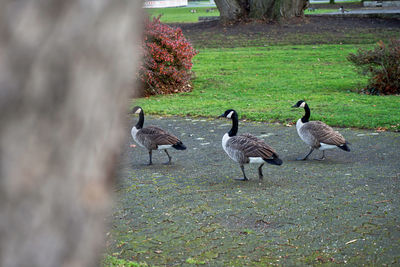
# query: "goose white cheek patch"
303,104
230,115
138,111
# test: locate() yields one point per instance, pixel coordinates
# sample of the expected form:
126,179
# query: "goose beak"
220,116
294,106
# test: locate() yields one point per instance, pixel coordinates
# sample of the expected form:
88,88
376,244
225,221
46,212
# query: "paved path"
343,210
201,4
364,12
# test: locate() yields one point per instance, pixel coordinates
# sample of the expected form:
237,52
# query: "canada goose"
342,10
247,148
317,134
153,137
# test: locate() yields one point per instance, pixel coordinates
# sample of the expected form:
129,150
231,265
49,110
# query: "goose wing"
324,133
153,130
252,137
251,146
158,136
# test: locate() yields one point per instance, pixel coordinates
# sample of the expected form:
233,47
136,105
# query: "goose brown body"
246,148
317,134
153,137
242,148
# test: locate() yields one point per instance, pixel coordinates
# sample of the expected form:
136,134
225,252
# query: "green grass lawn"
262,83
182,14
320,11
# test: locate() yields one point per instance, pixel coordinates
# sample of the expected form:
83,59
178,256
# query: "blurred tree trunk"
237,10
66,71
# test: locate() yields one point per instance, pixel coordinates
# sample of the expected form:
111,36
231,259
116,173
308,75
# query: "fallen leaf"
351,241
383,201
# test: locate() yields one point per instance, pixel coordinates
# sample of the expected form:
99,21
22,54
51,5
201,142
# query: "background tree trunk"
231,10
237,10
66,70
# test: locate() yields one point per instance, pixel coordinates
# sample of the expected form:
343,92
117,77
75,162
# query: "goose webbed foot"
323,156
306,156
169,158
244,175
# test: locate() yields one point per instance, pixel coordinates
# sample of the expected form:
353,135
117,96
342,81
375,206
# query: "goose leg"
150,154
323,155
244,175
306,156
260,175
169,157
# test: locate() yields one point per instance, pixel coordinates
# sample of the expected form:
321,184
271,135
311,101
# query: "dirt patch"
310,30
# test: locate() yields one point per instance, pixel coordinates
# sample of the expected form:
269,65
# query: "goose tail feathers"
275,160
179,146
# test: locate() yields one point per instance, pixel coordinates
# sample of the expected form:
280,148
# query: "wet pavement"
341,210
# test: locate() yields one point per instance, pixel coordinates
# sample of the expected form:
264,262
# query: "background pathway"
342,210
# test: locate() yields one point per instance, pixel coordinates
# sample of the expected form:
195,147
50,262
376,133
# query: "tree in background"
232,11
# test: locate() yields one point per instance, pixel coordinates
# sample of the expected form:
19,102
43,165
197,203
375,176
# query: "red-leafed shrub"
382,64
167,59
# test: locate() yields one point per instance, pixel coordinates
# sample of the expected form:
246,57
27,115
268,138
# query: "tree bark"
66,72
230,10
237,10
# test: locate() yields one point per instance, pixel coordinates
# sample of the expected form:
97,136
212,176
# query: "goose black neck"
235,125
139,124
306,116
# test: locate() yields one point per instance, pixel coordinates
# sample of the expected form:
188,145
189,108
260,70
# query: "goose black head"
228,114
299,104
137,110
